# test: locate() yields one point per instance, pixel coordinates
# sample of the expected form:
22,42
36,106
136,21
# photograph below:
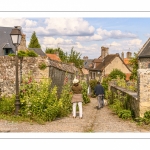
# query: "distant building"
106,63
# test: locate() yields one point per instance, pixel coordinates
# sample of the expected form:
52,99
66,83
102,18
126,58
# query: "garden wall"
132,99
27,65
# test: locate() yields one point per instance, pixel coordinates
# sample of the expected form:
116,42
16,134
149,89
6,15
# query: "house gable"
117,63
145,50
38,51
5,40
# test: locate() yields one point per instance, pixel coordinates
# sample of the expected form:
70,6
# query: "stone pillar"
22,45
143,91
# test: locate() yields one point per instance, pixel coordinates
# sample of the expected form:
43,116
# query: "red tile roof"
126,61
54,57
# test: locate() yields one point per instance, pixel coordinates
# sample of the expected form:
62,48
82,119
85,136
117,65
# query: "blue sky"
85,34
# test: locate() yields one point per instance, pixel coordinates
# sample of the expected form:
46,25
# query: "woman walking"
77,98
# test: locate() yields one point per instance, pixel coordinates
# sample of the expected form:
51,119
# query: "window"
7,51
149,65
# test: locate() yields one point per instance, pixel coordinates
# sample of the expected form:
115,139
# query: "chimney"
85,58
104,51
128,54
122,55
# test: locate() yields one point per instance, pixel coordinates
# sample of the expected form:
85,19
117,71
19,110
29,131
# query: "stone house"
106,63
144,78
6,45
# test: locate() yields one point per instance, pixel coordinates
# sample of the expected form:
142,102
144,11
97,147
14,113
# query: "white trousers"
80,109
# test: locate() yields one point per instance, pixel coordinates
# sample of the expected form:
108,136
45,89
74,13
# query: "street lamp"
16,38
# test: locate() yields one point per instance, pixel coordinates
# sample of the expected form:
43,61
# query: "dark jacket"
99,90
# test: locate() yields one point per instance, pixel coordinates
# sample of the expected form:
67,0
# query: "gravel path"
103,120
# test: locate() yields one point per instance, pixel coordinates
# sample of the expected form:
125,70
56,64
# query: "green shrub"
125,114
85,97
7,105
147,115
31,53
42,66
65,106
22,53
115,73
93,83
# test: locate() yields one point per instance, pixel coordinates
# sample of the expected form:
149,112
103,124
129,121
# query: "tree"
62,55
34,43
75,58
134,64
115,73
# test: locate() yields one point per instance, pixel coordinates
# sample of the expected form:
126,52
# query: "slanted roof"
38,51
107,60
87,63
5,39
85,71
145,50
126,61
97,60
54,57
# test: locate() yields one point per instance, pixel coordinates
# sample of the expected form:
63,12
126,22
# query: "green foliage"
117,73
38,101
106,82
119,107
64,103
34,43
75,57
134,64
147,115
93,83
85,97
27,53
42,66
63,56
125,114
31,53
7,105
22,53
11,54
144,120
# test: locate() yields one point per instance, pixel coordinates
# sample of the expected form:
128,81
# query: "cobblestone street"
103,120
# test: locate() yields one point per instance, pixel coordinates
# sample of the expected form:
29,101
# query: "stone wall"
144,90
144,63
31,65
26,65
132,102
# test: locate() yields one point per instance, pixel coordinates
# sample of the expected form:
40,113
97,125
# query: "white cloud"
30,23
57,41
114,34
101,35
69,26
11,22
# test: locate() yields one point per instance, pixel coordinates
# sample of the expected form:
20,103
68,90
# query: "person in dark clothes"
99,92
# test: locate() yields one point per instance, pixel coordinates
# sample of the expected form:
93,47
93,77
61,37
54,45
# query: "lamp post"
16,38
